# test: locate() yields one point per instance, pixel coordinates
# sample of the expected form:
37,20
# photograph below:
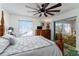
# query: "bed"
26,46
32,46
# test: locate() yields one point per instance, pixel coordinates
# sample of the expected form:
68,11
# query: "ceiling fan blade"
45,14
37,13
53,11
31,7
32,11
45,5
57,5
40,15
49,13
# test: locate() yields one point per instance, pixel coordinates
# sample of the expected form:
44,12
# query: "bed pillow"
3,44
11,38
11,41
7,36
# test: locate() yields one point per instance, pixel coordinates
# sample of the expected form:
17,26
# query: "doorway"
65,34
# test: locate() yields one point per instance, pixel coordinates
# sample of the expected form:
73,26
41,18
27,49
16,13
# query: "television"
39,27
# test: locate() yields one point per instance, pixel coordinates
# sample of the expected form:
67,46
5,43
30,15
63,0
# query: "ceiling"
20,9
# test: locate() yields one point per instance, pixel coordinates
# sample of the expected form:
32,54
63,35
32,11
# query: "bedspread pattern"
27,43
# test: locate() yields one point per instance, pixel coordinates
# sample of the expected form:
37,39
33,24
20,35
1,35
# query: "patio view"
68,32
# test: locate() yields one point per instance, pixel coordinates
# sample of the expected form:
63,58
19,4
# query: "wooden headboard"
2,25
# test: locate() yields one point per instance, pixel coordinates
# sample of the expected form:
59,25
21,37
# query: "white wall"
0,12
68,15
7,20
14,22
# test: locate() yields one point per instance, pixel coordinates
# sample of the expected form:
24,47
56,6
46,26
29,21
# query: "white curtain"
25,27
66,28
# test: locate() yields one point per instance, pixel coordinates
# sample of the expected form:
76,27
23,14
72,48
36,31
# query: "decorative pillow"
11,38
3,44
12,41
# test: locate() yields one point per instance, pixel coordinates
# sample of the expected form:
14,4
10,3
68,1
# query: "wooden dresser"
44,33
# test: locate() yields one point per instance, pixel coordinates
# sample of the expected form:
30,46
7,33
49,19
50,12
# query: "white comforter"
27,44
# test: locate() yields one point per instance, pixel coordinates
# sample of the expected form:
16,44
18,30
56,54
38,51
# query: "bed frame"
2,25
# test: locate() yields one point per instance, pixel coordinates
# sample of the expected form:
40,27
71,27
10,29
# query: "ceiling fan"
43,10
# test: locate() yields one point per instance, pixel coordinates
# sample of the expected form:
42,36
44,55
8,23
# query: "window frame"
25,21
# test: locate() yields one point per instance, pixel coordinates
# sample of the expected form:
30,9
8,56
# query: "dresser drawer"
44,33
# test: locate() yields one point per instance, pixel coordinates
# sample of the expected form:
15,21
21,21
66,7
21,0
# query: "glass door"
65,36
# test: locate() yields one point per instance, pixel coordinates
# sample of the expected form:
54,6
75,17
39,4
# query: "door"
65,36
58,36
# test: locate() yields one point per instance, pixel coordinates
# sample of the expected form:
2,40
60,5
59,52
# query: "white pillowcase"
3,44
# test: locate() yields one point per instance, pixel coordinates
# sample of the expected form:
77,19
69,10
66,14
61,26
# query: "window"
67,28
64,27
58,27
25,27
